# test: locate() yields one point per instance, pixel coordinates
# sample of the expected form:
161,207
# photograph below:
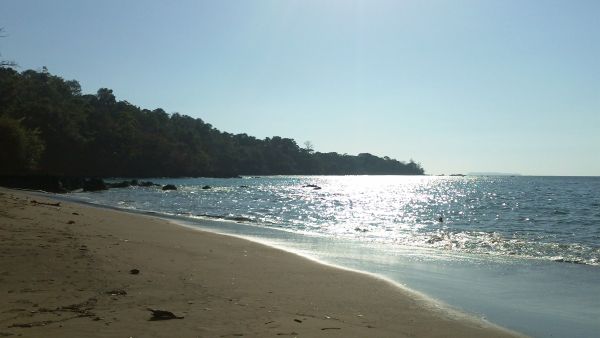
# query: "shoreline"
204,225
223,285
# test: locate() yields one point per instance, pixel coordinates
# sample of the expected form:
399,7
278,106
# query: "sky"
459,86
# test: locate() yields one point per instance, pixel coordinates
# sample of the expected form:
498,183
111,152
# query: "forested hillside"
48,127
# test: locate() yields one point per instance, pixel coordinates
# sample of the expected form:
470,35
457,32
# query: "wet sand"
69,270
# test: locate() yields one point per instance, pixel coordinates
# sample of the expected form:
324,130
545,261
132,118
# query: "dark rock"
53,184
148,184
132,183
45,183
94,184
206,187
311,186
435,239
134,271
124,184
169,187
71,183
162,315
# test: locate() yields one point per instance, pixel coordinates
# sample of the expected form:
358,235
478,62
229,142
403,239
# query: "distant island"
49,127
492,174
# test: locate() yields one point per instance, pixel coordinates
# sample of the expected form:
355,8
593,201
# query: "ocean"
522,252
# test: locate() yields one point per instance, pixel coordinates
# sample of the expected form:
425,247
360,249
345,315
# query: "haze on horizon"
459,86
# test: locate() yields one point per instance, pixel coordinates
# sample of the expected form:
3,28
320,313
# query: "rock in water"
123,184
148,184
94,184
169,187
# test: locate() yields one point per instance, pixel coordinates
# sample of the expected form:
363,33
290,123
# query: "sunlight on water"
537,217
501,250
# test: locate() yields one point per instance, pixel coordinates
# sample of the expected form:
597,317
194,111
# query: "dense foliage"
48,127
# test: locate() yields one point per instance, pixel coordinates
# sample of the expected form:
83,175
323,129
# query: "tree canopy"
49,127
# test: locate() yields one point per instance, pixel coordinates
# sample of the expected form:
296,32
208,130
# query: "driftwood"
57,204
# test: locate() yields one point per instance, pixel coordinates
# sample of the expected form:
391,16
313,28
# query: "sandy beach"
71,270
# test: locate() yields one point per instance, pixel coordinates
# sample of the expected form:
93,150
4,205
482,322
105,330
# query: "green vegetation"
21,147
48,127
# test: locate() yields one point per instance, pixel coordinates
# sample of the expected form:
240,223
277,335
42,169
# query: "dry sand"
65,271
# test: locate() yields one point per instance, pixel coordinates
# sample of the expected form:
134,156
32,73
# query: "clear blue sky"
460,86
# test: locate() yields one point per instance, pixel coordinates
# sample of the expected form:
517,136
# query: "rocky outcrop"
94,184
57,184
53,184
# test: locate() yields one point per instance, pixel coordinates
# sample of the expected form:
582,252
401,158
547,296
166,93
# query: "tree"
308,146
105,97
48,122
21,147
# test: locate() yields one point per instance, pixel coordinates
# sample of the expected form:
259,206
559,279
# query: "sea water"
522,252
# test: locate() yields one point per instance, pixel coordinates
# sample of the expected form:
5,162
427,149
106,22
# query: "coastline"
66,271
